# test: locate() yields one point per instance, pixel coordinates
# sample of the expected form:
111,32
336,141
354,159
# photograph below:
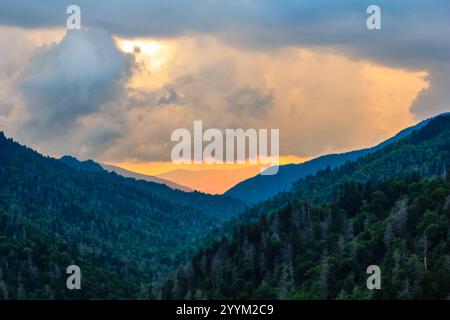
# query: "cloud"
413,30
310,68
16,47
73,78
414,33
321,101
249,101
436,98
168,95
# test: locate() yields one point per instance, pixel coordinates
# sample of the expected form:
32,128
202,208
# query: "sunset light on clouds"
312,95
325,97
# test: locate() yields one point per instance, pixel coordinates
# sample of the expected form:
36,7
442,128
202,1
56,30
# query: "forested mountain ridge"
425,151
138,176
88,165
263,187
389,208
322,251
116,228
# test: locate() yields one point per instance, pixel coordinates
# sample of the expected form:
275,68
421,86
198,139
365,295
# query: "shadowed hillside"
121,232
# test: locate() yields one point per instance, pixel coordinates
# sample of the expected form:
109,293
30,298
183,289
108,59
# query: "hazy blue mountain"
263,187
90,165
139,176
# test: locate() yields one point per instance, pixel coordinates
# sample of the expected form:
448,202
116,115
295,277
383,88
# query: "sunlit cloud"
322,101
329,89
154,54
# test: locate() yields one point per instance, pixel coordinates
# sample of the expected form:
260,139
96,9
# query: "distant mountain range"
262,187
250,190
90,165
139,176
214,181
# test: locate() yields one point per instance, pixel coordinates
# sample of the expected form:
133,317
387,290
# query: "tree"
4,290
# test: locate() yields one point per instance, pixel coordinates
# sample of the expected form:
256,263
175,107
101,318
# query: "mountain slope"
90,165
262,187
87,165
389,208
132,230
323,252
425,151
139,176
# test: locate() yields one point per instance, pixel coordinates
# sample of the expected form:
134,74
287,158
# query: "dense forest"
306,251
390,208
122,232
425,151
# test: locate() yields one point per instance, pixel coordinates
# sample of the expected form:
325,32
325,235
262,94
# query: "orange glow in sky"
210,178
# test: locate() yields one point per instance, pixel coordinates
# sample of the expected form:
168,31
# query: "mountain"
213,181
390,208
122,232
323,251
425,151
88,165
139,176
262,187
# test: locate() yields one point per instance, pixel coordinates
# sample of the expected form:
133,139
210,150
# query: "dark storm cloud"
414,31
73,78
435,99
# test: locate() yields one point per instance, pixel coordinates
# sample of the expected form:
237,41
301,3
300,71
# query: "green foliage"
322,252
316,240
122,232
425,153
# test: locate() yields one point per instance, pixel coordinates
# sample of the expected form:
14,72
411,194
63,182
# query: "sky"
115,90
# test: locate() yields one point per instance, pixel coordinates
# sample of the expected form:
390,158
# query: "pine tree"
4,290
